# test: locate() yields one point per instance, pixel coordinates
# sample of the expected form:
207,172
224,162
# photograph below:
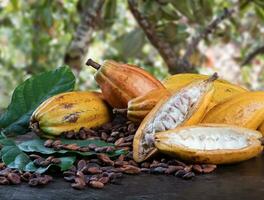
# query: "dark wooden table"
241,181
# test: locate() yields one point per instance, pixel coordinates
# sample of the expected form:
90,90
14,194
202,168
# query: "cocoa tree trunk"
90,18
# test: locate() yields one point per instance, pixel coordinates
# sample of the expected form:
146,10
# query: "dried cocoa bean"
81,165
130,169
73,147
79,183
96,184
56,161
119,141
180,173
188,175
172,169
3,181
94,170
104,179
157,170
197,169
188,168
114,133
104,136
104,158
208,168
14,178
33,182
48,143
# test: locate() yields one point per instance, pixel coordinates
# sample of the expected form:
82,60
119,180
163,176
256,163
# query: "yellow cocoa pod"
246,110
69,112
212,144
139,107
223,88
186,106
261,128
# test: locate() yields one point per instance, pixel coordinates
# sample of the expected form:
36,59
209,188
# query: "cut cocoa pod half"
186,106
122,82
245,110
211,144
223,88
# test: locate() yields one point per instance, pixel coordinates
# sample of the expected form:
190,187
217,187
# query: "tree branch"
208,30
174,64
83,35
252,55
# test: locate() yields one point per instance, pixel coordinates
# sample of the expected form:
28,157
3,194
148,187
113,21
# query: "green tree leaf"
28,95
37,146
130,44
15,158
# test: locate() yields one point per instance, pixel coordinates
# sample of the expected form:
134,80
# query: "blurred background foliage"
38,35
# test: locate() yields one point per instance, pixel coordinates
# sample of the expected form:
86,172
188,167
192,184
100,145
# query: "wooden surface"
241,181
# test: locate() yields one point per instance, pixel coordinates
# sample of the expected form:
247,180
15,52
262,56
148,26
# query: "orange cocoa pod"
122,82
139,107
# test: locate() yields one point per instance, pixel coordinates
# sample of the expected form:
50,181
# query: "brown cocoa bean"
14,178
96,184
114,133
145,165
130,169
104,179
119,141
33,182
48,143
79,183
208,168
188,168
56,143
81,165
73,147
180,173
188,175
94,170
104,158
56,161
3,181
172,169
197,169
104,136
34,156
84,149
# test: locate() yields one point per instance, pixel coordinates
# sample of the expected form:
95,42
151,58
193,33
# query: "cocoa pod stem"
93,64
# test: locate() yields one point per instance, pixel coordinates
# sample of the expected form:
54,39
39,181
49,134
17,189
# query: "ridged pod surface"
186,106
245,110
212,144
69,112
139,107
223,88
122,82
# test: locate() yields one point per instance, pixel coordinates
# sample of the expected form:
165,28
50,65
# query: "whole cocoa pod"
69,111
122,82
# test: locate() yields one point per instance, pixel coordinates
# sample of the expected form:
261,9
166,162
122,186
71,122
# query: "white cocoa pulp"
174,112
208,139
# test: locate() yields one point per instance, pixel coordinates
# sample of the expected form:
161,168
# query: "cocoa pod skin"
122,82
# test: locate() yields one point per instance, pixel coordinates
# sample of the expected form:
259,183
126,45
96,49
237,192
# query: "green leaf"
15,158
130,44
109,12
37,145
184,7
28,95
65,164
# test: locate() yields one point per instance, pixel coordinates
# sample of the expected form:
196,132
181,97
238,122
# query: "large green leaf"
28,95
37,145
15,158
